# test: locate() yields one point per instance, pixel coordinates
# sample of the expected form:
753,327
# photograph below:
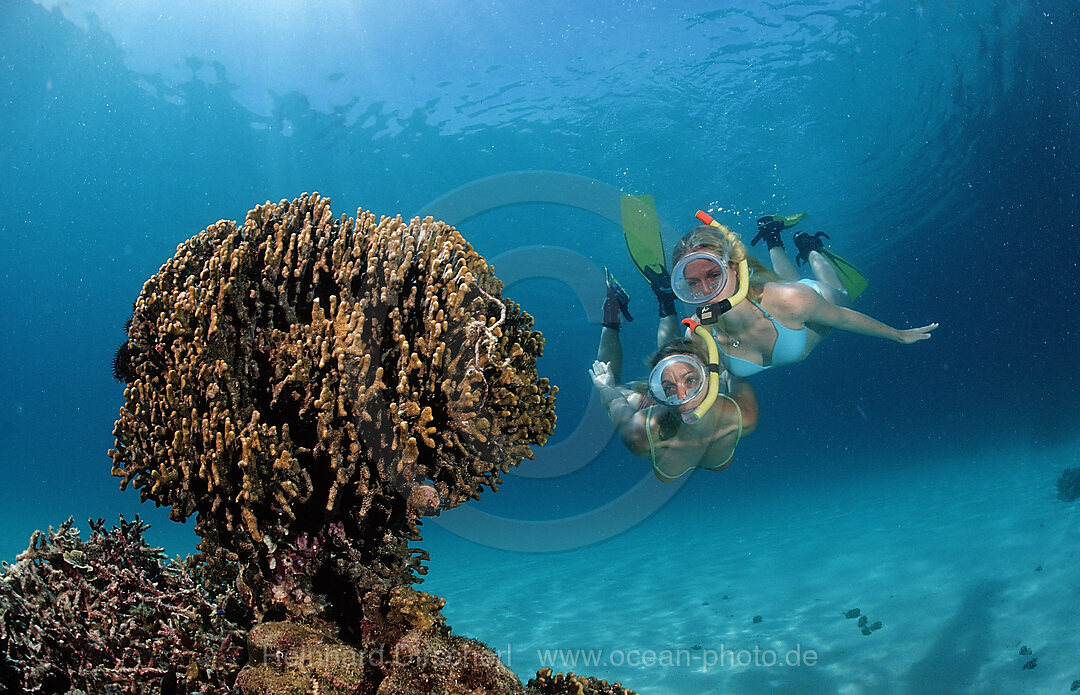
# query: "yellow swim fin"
641,229
791,220
770,227
854,281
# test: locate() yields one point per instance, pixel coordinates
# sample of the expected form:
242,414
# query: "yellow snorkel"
713,366
710,312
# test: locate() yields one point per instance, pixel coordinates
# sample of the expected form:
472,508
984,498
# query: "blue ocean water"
934,143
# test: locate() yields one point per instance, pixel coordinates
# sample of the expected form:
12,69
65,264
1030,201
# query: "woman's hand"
914,335
601,375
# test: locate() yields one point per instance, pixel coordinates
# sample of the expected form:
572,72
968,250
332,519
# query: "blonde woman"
779,322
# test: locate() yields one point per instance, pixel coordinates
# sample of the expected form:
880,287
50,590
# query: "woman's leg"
770,230
831,287
668,330
810,248
782,265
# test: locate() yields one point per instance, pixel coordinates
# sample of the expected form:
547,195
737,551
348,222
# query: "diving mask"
677,379
699,277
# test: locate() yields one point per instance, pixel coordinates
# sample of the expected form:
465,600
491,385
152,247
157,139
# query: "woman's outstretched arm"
804,304
629,421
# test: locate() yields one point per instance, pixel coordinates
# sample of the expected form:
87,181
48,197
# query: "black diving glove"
807,243
769,229
660,282
616,303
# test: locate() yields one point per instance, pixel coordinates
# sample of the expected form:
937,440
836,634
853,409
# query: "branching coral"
110,615
310,388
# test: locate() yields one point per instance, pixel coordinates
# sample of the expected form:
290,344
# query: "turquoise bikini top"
789,347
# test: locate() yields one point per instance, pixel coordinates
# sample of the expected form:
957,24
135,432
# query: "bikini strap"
738,437
760,308
652,443
767,315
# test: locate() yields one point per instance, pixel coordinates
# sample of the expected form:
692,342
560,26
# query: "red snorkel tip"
691,324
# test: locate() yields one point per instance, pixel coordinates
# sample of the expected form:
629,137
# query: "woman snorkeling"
678,419
780,321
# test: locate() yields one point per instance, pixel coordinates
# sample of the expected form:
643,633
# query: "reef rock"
548,683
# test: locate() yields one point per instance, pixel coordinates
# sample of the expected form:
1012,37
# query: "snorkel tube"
713,366
709,313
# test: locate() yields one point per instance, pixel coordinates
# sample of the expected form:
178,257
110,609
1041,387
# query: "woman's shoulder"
637,394
788,297
786,287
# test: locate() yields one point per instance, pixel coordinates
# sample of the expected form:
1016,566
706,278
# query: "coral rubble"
285,657
548,683
110,615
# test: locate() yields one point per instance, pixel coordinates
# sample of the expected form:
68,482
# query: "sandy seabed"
966,563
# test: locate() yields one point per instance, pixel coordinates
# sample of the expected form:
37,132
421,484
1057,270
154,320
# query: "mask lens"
677,379
699,277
